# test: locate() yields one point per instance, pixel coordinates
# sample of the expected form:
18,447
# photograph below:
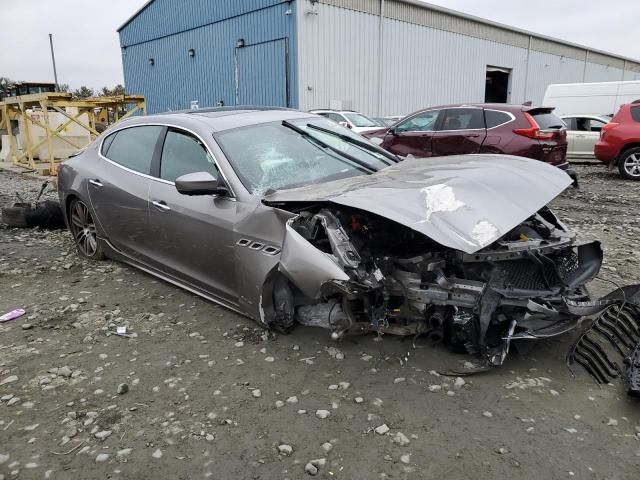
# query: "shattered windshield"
281,155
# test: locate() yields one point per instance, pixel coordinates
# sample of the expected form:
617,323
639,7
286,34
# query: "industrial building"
381,57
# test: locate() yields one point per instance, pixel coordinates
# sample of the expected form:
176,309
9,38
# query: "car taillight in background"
534,131
606,128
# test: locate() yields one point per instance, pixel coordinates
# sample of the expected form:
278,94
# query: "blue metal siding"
166,17
175,78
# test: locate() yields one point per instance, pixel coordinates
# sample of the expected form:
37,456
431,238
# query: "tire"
629,164
15,216
83,230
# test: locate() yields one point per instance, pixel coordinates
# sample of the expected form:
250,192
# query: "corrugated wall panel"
421,66
440,67
338,57
167,17
175,78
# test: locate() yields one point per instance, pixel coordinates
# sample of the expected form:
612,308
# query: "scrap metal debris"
609,348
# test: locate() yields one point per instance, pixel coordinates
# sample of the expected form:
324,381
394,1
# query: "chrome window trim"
151,177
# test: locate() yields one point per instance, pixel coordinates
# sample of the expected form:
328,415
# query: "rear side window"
462,119
570,123
635,113
547,120
495,118
133,147
182,154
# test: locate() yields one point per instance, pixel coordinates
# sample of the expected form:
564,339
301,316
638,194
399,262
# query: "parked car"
583,131
533,132
286,217
381,122
619,142
355,121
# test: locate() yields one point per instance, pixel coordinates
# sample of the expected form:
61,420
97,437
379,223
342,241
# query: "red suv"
619,142
534,132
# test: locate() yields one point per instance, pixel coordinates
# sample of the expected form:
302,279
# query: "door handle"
580,136
473,135
161,205
96,183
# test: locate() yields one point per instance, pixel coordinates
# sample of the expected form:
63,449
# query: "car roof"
225,118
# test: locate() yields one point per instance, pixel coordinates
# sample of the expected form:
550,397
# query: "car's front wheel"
83,229
629,164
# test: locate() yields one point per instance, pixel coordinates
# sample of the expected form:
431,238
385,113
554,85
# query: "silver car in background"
287,217
583,131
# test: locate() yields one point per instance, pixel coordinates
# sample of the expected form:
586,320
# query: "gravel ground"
199,392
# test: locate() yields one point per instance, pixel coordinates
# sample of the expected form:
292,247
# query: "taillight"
534,130
607,127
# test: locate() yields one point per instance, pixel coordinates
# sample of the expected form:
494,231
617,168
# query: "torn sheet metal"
306,266
464,202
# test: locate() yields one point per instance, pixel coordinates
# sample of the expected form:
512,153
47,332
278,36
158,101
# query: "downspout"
584,71
380,55
624,69
526,71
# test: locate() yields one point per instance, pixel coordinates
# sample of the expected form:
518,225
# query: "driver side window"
183,153
422,122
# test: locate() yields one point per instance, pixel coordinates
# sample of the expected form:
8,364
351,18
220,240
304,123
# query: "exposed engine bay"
395,280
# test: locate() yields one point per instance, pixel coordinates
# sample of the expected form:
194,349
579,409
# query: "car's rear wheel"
83,229
629,164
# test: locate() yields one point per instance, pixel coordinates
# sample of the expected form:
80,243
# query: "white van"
602,98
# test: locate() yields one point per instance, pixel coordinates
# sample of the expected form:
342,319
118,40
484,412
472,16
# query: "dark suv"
534,132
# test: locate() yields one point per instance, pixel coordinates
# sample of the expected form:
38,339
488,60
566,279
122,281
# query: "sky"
88,53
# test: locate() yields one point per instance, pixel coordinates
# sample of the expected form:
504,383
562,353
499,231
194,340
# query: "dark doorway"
497,85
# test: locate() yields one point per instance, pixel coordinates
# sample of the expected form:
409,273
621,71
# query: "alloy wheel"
631,165
83,229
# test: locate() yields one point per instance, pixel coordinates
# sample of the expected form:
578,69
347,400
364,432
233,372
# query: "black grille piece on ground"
614,335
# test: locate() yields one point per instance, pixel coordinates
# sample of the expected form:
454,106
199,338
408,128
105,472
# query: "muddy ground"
211,396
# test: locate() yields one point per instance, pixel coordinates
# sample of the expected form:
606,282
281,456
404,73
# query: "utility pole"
53,60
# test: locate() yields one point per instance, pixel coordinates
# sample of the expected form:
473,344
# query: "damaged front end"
352,271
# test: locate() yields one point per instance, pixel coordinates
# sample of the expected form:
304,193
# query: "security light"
240,43
191,52
152,62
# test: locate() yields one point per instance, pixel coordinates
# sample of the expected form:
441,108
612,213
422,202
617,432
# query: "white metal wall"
339,58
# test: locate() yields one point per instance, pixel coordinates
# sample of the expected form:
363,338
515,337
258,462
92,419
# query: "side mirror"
200,183
344,124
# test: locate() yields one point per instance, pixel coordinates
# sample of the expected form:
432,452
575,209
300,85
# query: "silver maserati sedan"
286,217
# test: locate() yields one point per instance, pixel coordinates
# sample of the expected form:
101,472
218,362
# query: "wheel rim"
83,229
632,165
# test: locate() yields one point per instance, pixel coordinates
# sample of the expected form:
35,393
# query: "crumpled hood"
465,202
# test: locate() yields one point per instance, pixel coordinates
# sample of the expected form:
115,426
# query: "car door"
571,135
413,135
587,135
460,131
193,235
119,188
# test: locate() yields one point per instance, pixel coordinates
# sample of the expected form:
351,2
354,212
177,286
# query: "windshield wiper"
359,143
326,146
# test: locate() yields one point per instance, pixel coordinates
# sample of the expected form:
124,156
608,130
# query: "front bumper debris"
609,347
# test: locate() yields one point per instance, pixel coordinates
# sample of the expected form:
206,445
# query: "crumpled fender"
305,266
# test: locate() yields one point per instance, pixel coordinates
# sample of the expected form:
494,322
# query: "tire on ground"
629,164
